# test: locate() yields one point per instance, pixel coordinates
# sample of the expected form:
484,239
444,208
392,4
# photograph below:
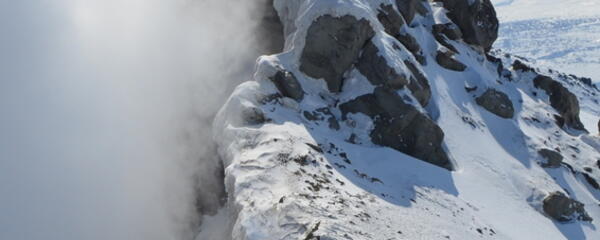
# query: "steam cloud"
106,108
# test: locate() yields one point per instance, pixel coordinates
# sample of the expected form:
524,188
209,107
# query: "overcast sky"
101,105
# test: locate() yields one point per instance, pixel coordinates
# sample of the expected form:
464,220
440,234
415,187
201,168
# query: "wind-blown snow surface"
559,34
290,178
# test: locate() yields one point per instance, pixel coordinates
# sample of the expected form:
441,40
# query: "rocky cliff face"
396,120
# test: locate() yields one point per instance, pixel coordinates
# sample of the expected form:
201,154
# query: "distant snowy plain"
559,34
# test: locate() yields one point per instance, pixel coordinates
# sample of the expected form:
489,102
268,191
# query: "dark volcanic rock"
378,72
376,69
419,85
442,38
446,60
409,8
553,158
390,19
449,30
477,21
412,45
392,23
497,103
401,126
288,85
562,100
520,66
563,209
332,46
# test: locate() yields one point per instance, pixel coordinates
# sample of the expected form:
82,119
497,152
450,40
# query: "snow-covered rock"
397,147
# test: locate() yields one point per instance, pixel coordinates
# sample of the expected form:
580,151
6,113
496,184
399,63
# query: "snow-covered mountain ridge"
388,119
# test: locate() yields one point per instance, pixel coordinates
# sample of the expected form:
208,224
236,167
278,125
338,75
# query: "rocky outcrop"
449,30
288,85
564,209
442,38
392,22
419,88
400,126
409,8
553,158
445,58
497,103
332,46
376,69
520,66
390,19
476,19
562,100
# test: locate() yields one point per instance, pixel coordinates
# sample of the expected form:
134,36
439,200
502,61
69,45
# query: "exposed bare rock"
446,60
332,46
564,209
288,85
497,103
476,19
553,158
401,126
562,100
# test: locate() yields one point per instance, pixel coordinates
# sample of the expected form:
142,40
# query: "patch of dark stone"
409,8
400,126
253,116
288,85
323,114
520,66
445,58
476,19
332,45
376,69
438,34
562,100
497,103
393,22
553,158
564,209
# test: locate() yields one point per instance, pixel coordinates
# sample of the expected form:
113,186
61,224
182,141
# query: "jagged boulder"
400,126
520,66
419,85
378,72
553,158
497,103
564,209
332,46
562,100
410,43
451,31
476,19
390,19
441,38
445,58
409,8
288,85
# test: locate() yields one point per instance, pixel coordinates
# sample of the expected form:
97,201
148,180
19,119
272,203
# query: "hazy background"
105,109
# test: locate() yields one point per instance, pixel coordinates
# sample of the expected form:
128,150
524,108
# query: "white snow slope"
292,178
559,34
